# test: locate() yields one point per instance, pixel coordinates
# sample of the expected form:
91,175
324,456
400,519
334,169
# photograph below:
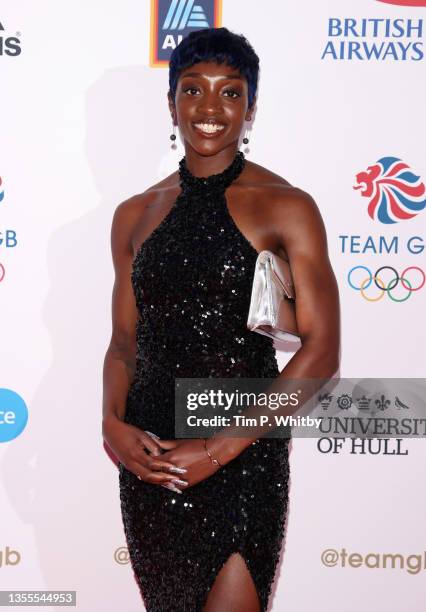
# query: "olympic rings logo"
389,286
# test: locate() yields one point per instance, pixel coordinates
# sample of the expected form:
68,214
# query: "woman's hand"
191,454
139,453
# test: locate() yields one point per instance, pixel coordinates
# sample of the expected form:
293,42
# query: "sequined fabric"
192,281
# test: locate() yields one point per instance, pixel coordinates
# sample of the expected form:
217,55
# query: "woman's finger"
171,487
158,465
150,463
164,478
153,435
167,444
148,442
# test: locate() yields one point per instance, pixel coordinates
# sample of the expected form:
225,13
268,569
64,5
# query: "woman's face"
211,106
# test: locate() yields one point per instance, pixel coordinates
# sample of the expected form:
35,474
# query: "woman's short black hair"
221,46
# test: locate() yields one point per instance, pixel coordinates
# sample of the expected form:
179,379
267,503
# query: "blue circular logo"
13,415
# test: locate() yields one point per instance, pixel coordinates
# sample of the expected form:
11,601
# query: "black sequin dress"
192,282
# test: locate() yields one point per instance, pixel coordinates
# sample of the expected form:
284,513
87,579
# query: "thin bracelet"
212,459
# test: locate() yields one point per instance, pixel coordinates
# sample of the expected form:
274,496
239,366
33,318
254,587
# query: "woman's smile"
209,129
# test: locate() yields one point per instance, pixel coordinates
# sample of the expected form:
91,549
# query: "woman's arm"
119,362
128,443
302,234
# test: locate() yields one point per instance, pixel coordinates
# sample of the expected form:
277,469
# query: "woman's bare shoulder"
131,210
260,176
271,188
290,210
158,190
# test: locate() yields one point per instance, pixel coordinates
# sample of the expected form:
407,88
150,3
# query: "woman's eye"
234,93
230,93
190,89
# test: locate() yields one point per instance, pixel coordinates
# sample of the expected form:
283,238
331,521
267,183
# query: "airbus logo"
184,14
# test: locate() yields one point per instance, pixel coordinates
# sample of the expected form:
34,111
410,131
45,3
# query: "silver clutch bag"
272,305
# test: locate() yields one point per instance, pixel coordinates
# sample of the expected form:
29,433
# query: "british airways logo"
9,45
394,192
374,39
172,20
405,2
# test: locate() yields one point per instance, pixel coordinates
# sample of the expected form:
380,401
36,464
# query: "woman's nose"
209,104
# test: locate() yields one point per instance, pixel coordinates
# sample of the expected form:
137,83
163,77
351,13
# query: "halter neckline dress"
192,281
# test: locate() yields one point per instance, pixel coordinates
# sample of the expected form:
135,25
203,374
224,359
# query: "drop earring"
246,141
173,138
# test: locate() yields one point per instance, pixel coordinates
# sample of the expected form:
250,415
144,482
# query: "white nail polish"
178,470
172,487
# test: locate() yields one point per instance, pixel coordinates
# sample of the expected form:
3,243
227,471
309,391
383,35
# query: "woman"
204,521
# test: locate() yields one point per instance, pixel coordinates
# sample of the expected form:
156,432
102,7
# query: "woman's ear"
172,107
250,110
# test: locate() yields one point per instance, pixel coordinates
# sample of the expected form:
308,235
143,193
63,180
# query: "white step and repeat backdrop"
84,125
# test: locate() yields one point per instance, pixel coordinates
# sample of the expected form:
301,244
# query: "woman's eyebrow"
200,74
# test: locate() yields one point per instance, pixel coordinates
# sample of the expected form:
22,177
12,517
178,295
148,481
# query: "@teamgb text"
382,286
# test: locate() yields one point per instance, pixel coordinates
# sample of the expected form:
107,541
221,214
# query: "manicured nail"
179,481
153,435
177,470
172,487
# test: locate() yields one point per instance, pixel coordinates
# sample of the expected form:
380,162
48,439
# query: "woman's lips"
209,129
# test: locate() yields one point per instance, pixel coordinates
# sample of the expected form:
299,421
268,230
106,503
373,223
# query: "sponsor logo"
374,39
9,556
8,238
341,558
185,14
1,190
172,20
394,192
13,415
382,286
405,2
121,555
9,45
364,404
380,244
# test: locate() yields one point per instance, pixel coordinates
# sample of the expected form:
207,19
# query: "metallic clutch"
272,305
